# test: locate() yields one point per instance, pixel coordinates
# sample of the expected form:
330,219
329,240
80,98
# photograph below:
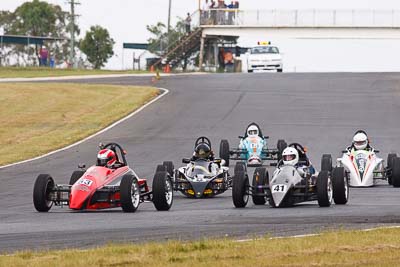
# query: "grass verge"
34,72
38,118
346,248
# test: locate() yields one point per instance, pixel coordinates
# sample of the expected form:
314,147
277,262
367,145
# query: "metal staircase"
181,50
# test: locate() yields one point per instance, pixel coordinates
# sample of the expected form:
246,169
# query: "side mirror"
186,161
266,137
376,151
241,137
344,151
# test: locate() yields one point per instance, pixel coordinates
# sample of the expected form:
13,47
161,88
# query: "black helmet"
203,151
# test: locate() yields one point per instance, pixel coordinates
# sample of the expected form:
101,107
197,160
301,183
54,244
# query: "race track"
321,111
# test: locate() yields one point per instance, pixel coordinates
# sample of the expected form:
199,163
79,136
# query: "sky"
126,20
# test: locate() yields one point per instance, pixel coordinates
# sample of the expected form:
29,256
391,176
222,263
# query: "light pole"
169,20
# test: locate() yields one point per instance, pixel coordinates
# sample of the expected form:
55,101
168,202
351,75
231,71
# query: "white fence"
302,18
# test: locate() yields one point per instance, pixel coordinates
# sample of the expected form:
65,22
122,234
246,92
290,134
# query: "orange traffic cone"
167,69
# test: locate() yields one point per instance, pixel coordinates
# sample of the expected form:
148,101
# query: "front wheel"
326,163
260,178
130,193
240,190
324,189
396,172
390,158
340,186
41,193
240,167
224,151
76,175
162,191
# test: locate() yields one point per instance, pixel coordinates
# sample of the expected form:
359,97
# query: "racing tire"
396,172
281,145
324,189
224,151
260,178
390,166
130,193
340,186
76,175
240,190
161,168
326,163
169,166
41,190
240,167
163,193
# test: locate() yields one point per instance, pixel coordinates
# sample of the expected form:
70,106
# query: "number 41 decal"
279,188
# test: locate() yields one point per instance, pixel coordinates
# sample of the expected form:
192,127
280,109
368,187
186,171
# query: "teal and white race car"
253,148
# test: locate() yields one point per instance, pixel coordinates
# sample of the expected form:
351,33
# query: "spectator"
231,13
221,59
221,13
43,55
213,11
228,60
188,22
204,12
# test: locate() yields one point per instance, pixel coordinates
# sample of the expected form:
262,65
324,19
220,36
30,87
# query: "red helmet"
106,158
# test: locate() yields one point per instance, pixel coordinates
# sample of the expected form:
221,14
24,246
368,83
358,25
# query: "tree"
38,18
98,46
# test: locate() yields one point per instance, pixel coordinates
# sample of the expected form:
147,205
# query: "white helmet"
252,130
290,156
360,141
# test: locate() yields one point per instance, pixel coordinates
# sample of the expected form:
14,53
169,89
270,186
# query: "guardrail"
302,18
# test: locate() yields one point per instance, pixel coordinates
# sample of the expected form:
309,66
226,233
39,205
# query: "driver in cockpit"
203,151
360,142
290,156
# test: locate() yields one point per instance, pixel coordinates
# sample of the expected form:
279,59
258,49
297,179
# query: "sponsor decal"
86,182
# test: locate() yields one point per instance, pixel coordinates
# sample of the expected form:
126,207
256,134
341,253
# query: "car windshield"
200,168
265,50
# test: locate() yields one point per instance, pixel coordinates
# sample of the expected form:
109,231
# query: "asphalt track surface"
321,111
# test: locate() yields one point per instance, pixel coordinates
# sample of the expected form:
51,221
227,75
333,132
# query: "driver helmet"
360,141
252,130
202,151
106,158
290,156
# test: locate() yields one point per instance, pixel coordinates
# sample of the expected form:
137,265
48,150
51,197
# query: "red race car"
108,184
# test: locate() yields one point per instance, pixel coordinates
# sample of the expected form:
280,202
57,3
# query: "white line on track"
165,91
310,235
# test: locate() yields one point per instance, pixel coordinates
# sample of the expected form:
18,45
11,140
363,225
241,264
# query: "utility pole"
72,29
169,20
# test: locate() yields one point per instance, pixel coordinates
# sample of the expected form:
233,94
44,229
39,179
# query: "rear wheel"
324,189
169,167
396,172
390,166
260,178
162,191
130,193
76,175
41,193
240,190
281,145
224,151
161,168
240,167
340,186
326,163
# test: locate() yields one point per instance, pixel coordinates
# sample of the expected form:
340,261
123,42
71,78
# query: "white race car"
264,58
363,167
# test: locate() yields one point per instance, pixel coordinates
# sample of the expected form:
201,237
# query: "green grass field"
32,72
354,248
38,118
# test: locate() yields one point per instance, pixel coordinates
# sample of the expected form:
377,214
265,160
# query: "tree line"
42,19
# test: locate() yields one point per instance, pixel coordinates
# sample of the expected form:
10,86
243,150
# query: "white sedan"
264,58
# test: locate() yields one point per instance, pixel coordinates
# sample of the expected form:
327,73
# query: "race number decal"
279,188
253,145
86,182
